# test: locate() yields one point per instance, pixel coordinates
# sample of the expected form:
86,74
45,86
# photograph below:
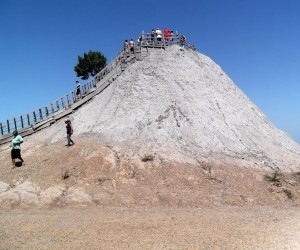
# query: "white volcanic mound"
180,101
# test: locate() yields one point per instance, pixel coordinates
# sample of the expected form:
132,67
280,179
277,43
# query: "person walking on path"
69,128
78,91
16,148
126,46
131,44
139,41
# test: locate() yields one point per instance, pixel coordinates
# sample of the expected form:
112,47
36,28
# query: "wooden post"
41,115
8,128
68,100
34,116
62,102
22,123
15,123
1,128
28,120
52,109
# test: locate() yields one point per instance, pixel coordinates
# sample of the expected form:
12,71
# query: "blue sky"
255,42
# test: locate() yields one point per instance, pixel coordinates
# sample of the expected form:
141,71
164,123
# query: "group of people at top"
156,37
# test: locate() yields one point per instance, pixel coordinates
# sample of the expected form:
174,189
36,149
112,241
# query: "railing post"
62,102
22,123
52,108
15,123
28,120
41,115
34,116
68,100
8,127
1,128
73,96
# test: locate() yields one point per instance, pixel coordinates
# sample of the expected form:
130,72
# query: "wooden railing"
63,103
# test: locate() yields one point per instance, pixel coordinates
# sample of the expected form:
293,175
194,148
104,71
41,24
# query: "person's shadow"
19,164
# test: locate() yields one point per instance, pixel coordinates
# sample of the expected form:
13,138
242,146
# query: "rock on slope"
181,104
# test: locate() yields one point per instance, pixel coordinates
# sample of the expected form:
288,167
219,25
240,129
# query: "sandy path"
143,228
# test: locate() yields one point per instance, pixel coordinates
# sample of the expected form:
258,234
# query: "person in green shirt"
16,148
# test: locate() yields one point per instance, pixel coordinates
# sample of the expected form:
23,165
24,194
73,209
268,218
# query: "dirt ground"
148,228
142,202
108,176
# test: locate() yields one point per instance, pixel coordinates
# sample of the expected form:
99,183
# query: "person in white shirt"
158,35
131,45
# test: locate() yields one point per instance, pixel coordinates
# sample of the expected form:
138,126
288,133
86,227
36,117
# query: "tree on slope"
90,64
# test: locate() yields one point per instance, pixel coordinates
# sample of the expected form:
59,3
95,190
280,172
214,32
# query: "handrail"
28,120
55,107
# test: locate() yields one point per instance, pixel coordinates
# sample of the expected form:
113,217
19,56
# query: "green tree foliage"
90,64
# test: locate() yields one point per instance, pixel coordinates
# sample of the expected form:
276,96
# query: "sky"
255,42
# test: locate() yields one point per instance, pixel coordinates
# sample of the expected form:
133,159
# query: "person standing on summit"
158,35
171,37
16,148
166,35
153,34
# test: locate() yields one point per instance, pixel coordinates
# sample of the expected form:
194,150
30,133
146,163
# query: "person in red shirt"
166,35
